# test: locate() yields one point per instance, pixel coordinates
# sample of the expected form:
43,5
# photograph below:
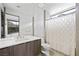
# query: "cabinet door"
4,52
11,50
28,49
37,47
19,50
32,48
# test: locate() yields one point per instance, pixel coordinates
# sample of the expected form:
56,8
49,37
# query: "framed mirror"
9,24
12,25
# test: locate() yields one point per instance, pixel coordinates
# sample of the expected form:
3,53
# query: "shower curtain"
60,32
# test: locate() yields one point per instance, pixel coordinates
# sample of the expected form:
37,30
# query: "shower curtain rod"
71,8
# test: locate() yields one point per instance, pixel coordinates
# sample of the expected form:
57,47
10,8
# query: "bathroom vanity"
19,46
30,46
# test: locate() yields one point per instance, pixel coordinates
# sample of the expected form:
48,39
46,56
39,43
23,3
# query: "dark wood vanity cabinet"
19,50
4,52
32,48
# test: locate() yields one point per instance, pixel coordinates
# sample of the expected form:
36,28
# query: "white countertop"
14,41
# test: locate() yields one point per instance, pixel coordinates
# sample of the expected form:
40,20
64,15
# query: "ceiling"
28,9
28,6
57,7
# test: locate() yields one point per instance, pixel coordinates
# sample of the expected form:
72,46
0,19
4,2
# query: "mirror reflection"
12,24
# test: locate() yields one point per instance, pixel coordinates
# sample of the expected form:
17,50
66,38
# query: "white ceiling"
29,8
22,7
50,7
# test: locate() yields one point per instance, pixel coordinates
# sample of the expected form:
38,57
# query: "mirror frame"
5,25
18,23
